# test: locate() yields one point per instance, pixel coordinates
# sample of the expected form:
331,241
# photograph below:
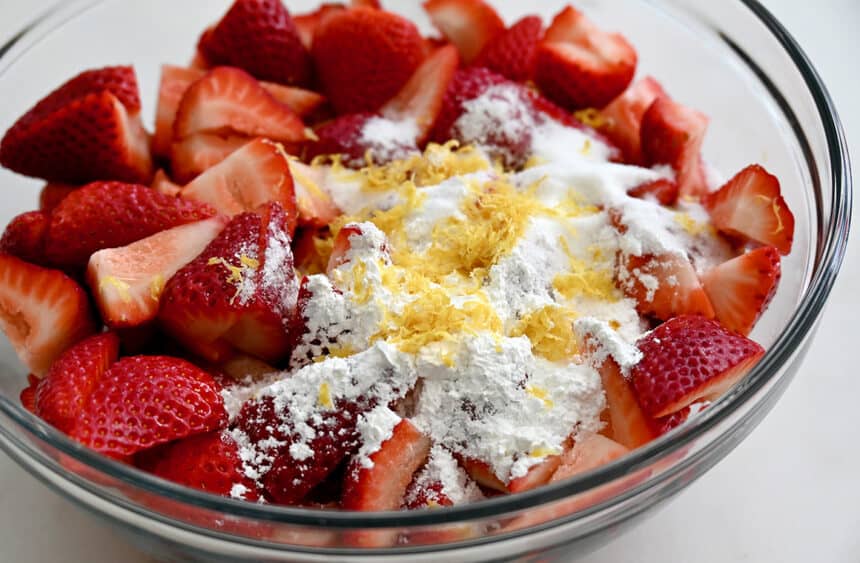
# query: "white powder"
278,279
609,343
374,428
236,395
443,475
238,491
389,140
554,142
499,120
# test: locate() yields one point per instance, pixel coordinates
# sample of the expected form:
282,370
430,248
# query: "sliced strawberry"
144,401
537,475
673,134
742,288
28,396
687,359
751,206
52,194
24,237
586,454
42,312
111,214
512,52
364,57
256,174
127,281
420,100
315,206
366,3
631,427
663,191
669,422
209,462
353,137
260,37
578,65
665,286
73,376
302,102
483,474
197,153
162,184
623,117
307,24
468,24
467,84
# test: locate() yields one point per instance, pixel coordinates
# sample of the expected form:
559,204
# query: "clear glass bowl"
730,59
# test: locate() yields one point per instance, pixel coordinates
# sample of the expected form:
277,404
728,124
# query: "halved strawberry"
144,401
512,52
364,57
73,376
127,281
197,153
24,237
42,312
52,194
663,191
315,206
260,37
689,358
256,174
664,286
162,184
750,205
742,288
673,134
111,214
623,117
631,426
420,100
578,65
586,454
468,24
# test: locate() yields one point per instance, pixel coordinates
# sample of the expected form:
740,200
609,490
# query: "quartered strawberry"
42,312
750,205
73,376
127,281
741,289
231,101
52,194
259,36
631,426
689,358
663,191
162,184
664,286
315,206
197,153
623,117
364,57
145,401
111,214
673,134
256,174
512,52
24,237
586,454
239,293
469,24
578,65
209,462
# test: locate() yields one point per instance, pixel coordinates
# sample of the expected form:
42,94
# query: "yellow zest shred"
324,397
156,287
540,393
121,287
550,331
591,117
689,224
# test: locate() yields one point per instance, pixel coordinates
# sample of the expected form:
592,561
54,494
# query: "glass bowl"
730,59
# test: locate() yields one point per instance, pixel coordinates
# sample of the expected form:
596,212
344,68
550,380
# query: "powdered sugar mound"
608,343
368,243
389,140
374,428
236,395
554,142
442,475
440,202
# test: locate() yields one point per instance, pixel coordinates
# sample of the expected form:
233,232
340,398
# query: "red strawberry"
512,52
468,24
73,376
586,454
664,286
623,117
260,37
672,134
742,288
345,136
230,101
110,214
420,100
751,206
42,312
127,282
669,422
52,194
315,206
364,57
240,292
307,24
209,462
196,154
144,401
687,359
366,3
631,426
578,65
663,191
24,236
256,174
162,184
467,84
28,395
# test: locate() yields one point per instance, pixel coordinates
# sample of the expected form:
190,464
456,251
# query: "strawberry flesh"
678,289
468,24
197,153
631,426
623,117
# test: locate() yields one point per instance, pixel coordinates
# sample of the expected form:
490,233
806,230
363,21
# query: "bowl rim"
829,255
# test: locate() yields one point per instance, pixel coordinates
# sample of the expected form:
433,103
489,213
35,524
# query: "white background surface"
790,493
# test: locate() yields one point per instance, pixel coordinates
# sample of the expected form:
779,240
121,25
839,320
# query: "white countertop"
787,494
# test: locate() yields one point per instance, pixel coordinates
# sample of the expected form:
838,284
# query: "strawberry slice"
111,214
42,312
578,65
666,423
258,36
468,24
586,454
73,376
197,153
52,194
623,117
230,101
512,53
664,286
127,281
315,206
742,288
256,174
687,359
420,100
750,205
364,57
631,426
663,191
673,134
24,237
162,184
144,401
28,394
